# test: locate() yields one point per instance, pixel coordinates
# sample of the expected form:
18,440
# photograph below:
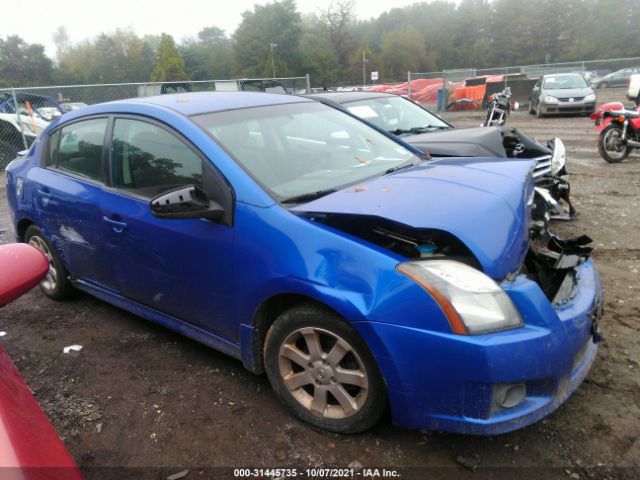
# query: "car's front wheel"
323,371
56,284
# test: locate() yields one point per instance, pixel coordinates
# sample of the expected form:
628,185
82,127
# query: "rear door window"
80,148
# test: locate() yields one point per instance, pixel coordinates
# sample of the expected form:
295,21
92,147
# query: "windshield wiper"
402,166
425,129
309,196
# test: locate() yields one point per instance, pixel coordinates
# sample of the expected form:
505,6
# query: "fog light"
508,395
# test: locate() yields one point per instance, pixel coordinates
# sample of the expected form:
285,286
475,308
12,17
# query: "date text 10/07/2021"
282,473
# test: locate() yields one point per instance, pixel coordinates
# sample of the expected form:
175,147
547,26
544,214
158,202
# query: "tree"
317,55
338,20
61,40
403,50
23,64
169,64
119,56
269,33
209,56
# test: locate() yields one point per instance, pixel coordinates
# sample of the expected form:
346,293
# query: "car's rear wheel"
56,284
604,85
323,371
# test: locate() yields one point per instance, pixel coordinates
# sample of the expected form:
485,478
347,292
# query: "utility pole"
272,47
364,68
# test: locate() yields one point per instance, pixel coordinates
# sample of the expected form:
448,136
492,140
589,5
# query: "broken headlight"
472,302
558,159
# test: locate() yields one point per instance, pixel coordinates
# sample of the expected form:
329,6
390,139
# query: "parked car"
615,79
29,445
12,128
43,107
425,130
562,93
633,91
310,245
67,107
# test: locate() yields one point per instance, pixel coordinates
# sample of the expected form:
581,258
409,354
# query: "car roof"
346,97
562,74
194,103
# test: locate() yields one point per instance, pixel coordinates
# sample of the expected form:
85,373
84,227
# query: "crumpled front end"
494,383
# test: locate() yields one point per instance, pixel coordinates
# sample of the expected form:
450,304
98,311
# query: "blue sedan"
315,248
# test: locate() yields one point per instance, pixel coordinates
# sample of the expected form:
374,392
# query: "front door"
179,267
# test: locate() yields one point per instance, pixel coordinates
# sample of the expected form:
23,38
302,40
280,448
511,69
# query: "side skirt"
198,334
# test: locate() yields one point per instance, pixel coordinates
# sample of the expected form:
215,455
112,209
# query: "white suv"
634,88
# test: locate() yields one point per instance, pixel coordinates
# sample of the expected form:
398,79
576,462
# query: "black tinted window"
148,160
80,148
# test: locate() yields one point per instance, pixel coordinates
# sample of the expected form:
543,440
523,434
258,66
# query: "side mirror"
185,202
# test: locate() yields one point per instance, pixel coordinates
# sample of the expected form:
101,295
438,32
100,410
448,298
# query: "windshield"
396,114
304,149
565,82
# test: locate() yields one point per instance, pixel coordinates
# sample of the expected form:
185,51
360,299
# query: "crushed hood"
460,142
481,201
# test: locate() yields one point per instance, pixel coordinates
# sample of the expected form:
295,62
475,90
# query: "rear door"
182,268
69,193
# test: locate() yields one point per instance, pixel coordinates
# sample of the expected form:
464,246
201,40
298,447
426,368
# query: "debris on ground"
470,463
72,348
178,475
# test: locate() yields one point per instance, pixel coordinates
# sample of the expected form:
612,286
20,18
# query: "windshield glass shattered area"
303,150
396,114
565,82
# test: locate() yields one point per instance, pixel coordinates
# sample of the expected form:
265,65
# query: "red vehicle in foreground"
619,129
30,449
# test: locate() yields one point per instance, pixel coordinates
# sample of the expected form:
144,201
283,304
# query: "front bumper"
446,382
568,107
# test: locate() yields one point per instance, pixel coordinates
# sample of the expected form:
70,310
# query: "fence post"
442,104
308,83
409,84
15,105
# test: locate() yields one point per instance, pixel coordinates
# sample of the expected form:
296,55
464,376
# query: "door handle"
44,192
118,227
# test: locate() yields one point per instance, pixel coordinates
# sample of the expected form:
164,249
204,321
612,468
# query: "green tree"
23,64
338,20
209,56
403,50
169,65
269,33
119,56
317,55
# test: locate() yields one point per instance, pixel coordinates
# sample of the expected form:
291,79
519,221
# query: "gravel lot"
141,402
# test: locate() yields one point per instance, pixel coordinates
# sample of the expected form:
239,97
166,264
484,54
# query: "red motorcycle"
619,129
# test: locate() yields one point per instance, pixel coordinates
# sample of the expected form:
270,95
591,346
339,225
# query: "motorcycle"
498,109
619,129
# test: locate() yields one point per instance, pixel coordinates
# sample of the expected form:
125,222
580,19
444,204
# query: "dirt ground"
142,402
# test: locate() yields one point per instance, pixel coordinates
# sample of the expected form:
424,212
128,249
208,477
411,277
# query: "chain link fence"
25,112
444,89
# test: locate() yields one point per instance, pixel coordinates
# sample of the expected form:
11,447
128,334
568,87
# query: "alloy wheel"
323,372
51,280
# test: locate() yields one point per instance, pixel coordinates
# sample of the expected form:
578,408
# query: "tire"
604,85
609,146
306,363
56,284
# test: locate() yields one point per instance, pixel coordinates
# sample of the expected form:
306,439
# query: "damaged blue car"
318,250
